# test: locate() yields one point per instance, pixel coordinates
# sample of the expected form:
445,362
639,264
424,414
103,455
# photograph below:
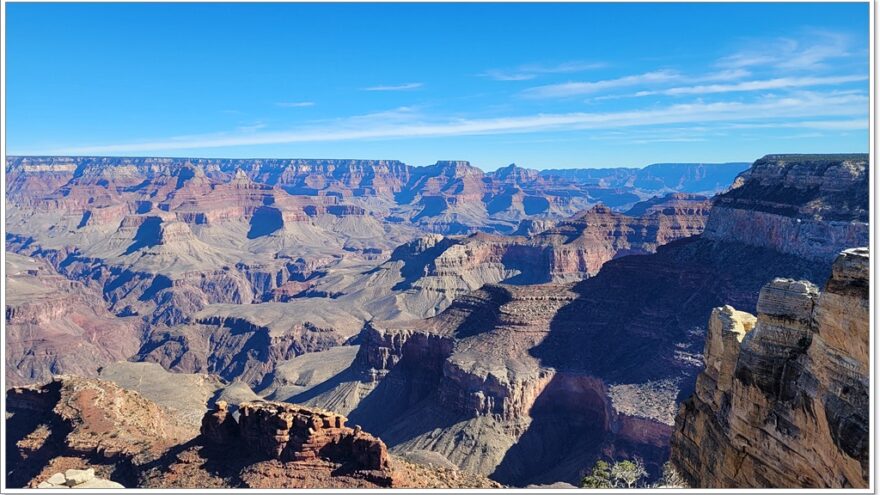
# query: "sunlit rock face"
783,403
812,206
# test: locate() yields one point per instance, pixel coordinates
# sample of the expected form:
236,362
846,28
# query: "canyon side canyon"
190,323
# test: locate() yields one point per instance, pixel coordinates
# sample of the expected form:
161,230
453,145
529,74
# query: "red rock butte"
290,432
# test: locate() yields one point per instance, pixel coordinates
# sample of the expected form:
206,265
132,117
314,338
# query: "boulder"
78,476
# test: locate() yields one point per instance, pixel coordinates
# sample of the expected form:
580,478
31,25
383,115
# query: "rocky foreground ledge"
76,432
783,401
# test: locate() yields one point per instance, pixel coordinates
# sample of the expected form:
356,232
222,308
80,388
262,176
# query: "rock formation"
484,381
783,403
78,478
811,206
703,178
449,197
72,421
466,385
290,432
90,434
338,284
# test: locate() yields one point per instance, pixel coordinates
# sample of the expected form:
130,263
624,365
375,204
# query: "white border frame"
873,202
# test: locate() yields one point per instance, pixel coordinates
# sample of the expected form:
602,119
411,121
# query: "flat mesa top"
831,157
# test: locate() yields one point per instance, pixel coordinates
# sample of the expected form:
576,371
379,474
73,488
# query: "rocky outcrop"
812,206
91,434
290,432
71,420
783,403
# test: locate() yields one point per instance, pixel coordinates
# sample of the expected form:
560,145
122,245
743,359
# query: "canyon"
477,329
228,266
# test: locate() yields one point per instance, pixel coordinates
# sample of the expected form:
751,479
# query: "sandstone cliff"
525,383
783,401
467,386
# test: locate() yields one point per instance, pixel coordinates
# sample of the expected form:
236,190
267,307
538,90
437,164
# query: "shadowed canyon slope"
508,327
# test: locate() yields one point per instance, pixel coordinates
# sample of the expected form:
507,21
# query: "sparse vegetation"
621,474
671,478
628,473
599,477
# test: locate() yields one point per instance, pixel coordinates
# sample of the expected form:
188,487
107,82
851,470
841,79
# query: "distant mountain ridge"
682,177
448,197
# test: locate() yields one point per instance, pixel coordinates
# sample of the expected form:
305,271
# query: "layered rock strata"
783,403
812,206
56,325
486,381
290,432
468,386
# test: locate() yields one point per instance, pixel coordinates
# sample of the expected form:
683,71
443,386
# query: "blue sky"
545,86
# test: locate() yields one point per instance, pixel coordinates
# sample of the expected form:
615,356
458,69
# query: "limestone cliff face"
783,401
812,206
569,250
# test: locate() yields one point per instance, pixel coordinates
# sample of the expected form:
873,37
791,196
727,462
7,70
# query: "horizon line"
206,158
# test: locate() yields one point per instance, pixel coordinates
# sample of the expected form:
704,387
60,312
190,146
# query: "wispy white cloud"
568,89
811,51
725,75
670,140
829,125
761,85
295,104
408,123
804,135
251,127
531,71
396,87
